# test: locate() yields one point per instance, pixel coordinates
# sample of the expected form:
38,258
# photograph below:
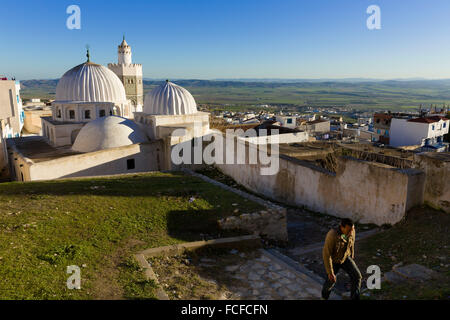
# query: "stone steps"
313,281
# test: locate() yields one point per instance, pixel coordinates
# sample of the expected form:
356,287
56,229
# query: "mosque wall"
60,134
128,159
19,165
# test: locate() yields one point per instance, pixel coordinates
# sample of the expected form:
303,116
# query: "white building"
364,121
112,144
84,93
106,143
424,131
11,118
287,121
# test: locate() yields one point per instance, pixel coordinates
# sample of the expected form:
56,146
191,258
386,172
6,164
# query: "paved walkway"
273,278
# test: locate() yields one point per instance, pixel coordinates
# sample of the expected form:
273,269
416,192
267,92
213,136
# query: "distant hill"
385,94
44,89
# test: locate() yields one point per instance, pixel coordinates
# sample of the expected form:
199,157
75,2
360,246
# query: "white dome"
90,82
169,99
108,132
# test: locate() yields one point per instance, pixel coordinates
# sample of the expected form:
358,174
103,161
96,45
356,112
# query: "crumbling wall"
437,178
363,191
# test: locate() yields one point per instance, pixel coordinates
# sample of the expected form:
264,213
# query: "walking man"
338,252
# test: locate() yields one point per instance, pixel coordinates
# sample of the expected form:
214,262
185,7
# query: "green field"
97,224
392,95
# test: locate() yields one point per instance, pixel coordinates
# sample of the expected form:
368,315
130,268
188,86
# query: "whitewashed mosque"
101,124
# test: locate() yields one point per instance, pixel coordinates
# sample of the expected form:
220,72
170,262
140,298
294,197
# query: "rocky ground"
233,274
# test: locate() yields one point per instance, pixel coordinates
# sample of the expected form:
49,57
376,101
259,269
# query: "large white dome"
108,132
90,82
169,99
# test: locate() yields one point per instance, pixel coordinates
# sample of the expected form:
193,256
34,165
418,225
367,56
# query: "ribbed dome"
169,99
90,82
108,132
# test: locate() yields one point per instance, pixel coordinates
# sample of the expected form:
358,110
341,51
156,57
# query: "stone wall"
367,192
437,182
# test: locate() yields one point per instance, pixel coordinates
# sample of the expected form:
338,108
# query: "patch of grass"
95,224
422,238
135,286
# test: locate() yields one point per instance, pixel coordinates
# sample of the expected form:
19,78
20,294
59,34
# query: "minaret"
130,74
124,52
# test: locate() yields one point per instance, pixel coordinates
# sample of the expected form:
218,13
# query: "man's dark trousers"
352,270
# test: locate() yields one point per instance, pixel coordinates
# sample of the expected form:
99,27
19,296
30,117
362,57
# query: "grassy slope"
99,223
423,238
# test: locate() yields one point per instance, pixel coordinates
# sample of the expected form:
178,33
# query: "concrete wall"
151,124
280,138
4,172
33,123
404,133
437,182
8,102
319,127
147,157
363,191
19,165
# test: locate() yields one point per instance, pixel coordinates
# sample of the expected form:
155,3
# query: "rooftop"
317,121
37,149
428,119
322,153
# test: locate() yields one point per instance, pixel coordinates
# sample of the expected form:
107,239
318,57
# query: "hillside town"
426,130
279,181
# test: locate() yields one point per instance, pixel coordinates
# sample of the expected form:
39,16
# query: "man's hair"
347,222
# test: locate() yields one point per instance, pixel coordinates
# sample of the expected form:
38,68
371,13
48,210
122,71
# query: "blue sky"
207,39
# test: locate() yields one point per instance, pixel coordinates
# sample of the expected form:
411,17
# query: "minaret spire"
88,55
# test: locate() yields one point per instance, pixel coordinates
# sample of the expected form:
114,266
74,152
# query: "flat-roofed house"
11,117
423,131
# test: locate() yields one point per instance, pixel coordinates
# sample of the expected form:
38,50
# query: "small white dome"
90,82
108,132
169,99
